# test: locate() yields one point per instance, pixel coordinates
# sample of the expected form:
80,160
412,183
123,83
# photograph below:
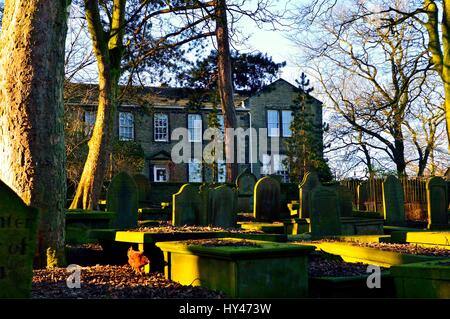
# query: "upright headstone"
393,202
309,182
18,237
325,212
266,205
345,197
143,185
222,207
122,198
363,192
245,183
187,206
437,199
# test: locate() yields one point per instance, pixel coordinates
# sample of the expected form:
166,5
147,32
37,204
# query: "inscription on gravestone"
18,231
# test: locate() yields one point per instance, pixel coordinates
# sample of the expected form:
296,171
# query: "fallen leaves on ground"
325,265
216,242
105,281
166,227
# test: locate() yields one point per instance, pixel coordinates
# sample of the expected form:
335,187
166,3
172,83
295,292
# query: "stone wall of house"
278,96
144,134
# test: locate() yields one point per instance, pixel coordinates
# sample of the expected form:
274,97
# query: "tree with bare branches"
374,75
123,40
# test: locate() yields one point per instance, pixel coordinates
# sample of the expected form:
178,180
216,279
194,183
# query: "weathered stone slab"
18,237
122,198
187,206
144,188
437,199
309,182
393,202
222,207
245,183
325,212
266,205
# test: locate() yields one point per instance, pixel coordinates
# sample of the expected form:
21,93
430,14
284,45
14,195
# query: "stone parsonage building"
268,109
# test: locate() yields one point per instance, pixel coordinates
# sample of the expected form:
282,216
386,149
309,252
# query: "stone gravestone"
18,237
345,197
309,182
363,195
245,184
187,206
325,212
143,185
266,196
122,198
437,200
222,207
393,202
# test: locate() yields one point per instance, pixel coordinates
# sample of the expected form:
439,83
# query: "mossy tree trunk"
108,50
32,153
225,85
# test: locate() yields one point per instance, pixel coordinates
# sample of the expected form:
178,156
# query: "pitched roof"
80,93
279,81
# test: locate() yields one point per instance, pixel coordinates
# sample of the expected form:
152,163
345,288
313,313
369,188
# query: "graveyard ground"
108,281
101,280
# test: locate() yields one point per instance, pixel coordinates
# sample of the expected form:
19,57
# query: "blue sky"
279,48
274,43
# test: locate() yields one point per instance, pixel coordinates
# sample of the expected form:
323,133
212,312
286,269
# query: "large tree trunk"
225,84
91,181
446,65
440,55
108,52
447,105
399,157
32,153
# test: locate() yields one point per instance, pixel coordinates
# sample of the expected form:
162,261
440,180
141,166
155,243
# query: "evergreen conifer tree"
304,150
